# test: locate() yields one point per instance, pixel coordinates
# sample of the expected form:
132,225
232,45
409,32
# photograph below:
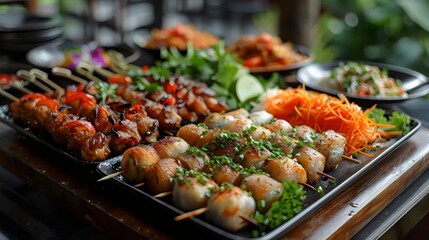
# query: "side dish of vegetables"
365,80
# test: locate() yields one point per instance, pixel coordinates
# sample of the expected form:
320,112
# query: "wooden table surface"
122,216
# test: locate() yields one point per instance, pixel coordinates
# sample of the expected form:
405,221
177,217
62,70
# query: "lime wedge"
248,87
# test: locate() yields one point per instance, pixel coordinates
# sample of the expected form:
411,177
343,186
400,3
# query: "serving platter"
314,76
346,173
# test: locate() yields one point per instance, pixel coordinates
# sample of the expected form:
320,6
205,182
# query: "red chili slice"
118,79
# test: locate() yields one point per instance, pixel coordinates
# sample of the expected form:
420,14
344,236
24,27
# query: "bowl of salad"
365,83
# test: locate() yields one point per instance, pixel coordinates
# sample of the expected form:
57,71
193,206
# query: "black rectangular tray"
346,173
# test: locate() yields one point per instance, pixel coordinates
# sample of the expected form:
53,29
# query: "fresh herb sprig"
289,204
104,91
400,121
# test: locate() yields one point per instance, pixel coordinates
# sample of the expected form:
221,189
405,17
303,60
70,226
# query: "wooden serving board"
123,216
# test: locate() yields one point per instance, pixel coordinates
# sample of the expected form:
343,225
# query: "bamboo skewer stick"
110,176
250,220
44,78
87,71
193,213
164,194
202,210
139,185
64,72
326,175
119,65
8,95
103,72
350,159
307,186
24,74
20,87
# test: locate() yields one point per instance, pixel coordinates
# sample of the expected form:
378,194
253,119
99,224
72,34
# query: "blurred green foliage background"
388,31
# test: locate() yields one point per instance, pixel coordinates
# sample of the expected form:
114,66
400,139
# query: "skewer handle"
65,72
24,74
87,71
44,78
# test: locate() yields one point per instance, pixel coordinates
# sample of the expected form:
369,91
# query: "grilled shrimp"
136,162
312,161
159,176
265,190
305,133
238,113
260,133
191,133
278,126
224,173
192,194
193,160
253,157
171,147
287,144
217,120
331,145
238,125
261,117
285,168
227,208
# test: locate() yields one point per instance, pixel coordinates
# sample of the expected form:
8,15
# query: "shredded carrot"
322,112
389,134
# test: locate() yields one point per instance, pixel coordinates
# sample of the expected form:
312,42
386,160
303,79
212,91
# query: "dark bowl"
34,36
12,22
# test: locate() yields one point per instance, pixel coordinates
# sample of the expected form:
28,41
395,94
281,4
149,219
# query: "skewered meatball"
136,162
217,120
159,176
264,189
286,169
192,194
171,147
227,208
331,145
312,161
